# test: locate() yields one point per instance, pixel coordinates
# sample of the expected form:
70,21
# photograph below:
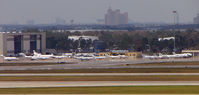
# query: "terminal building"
13,43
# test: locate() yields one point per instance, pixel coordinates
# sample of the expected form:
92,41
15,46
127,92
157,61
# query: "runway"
89,66
25,84
106,64
102,74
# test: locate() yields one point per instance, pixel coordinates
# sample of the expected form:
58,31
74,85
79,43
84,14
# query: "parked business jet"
174,55
10,58
37,56
59,57
113,57
151,57
34,57
100,57
69,55
123,56
166,56
24,55
184,55
84,58
41,55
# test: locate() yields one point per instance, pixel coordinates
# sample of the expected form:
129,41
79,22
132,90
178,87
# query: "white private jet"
59,57
24,55
123,56
88,57
84,58
166,56
184,55
34,57
37,56
10,58
151,57
42,56
69,55
174,55
113,57
100,57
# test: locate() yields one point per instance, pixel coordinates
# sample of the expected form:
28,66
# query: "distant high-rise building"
196,20
115,17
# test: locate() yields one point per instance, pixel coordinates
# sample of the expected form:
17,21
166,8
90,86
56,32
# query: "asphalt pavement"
101,74
25,84
106,64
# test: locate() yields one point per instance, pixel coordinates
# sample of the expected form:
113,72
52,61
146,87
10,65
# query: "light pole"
176,22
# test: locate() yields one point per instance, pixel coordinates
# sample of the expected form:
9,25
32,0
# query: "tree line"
145,41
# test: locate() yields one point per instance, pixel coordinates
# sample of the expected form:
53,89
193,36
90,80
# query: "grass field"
101,78
106,90
121,70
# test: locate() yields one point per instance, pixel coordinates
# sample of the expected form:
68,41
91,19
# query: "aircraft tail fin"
34,52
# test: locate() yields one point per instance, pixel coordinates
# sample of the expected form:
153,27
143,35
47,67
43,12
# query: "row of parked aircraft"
39,56
93,57
36,56
174,55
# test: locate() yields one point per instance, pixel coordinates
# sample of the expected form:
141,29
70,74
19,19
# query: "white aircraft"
42,56
166,56
185,55
59,57
174,55
100,57
116,57
34,57
88,57
10,58
85,58
69,55
123,56
37,56
151,57
24,55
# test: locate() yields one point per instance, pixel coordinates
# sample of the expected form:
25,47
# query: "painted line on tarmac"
102,74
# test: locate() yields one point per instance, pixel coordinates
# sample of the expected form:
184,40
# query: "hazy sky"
88,11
